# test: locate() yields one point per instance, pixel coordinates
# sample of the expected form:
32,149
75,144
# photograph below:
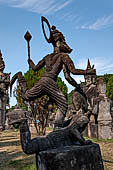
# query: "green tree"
110,88
109,84
62,86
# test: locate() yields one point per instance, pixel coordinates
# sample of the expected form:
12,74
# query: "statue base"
75,157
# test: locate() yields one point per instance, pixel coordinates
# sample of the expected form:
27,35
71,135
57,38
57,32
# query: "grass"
23,165
13,158
105,168
99,140
11,154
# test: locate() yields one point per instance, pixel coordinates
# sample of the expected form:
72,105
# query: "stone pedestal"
104,119
105,130
87,157
92,130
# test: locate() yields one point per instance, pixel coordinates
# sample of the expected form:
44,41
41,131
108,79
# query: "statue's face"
61,44
88,80
77,106
2,66
94,80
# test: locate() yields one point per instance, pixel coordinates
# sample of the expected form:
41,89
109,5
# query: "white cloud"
99,24
102,66
63,5
68,16
108,68
38,6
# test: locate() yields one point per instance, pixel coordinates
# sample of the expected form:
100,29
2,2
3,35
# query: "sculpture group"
68,132
54,63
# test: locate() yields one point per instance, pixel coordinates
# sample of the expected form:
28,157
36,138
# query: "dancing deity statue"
55,62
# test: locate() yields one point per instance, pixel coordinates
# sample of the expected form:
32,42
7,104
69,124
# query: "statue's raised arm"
72,81
70,65
37,67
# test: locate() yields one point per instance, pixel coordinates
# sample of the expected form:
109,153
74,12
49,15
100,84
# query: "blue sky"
86,24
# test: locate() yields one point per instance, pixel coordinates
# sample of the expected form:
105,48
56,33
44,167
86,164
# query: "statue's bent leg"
30,94
22,82
31,146
47,86
60,100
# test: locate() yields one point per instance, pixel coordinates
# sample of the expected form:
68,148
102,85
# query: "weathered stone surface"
101,119
104,110
101,85
105,130
92,130
87,157
104,119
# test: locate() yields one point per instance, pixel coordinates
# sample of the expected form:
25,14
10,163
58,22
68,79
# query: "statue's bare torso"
53,65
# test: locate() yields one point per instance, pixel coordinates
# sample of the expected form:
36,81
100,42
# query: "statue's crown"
56,35
2,64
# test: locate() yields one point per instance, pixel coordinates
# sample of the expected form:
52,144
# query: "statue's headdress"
2,64
54,33
80,99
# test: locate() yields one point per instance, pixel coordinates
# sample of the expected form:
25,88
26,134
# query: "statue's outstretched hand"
91,72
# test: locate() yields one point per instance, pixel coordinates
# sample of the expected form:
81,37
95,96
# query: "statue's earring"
43,19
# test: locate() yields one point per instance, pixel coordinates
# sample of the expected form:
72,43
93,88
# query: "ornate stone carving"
4,84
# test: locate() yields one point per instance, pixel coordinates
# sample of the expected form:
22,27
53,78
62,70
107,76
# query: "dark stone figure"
64,145
63,137
62,149
66,136
53,64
